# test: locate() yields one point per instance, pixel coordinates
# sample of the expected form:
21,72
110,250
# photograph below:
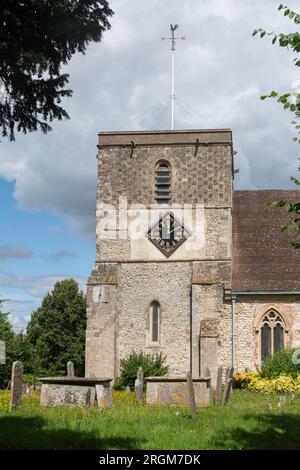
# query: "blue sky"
48,182
36,248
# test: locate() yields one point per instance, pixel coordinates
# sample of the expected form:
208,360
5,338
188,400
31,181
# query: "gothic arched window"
154,322
272,330
163,183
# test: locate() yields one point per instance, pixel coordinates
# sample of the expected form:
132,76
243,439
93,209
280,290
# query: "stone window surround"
159,163
149,342
258,324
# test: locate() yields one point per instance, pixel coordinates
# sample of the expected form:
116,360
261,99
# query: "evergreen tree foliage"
37,38
56,331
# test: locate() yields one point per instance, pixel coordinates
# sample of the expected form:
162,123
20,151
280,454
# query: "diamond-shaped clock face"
168,233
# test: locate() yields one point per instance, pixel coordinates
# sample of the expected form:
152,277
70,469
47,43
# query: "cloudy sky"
47,183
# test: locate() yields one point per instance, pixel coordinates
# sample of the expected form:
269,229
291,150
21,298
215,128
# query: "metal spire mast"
173,40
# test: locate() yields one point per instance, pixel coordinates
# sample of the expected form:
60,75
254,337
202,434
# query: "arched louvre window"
271,333
154,322
163,183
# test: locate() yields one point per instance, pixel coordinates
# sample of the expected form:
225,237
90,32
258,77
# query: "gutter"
270,292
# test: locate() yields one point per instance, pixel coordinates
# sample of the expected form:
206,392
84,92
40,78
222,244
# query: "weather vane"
173,40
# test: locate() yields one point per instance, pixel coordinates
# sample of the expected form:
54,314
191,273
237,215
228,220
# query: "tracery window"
271,333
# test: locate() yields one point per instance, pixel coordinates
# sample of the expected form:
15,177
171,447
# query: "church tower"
163,250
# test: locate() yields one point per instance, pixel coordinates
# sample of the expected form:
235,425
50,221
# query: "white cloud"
36,286
61,254
221,70
11,251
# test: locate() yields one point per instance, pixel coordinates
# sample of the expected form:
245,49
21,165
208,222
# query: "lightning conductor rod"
173,40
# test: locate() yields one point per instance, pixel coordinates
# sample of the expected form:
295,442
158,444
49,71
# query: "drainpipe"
233,329
191,331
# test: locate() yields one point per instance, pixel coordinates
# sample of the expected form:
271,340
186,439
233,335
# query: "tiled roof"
263,258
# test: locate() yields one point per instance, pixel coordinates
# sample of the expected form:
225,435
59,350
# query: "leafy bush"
280,364
30,378
281,384
153,365
243,379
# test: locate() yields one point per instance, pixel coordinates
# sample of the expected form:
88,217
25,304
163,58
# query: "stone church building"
185,265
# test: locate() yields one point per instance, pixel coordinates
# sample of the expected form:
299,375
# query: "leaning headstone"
227,392
229,374
140,376
219,384
208,374
138,388
103,395
2,353
70,369
191,394
16,384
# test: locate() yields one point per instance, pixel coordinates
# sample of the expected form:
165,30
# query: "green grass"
247,422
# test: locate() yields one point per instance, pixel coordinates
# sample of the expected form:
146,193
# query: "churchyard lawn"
249,421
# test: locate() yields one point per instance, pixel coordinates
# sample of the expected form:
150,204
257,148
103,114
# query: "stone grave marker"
140,376
70,369
138,390
2,352
191,394
16,384
219,384
208,374
103,395
229,374
227,391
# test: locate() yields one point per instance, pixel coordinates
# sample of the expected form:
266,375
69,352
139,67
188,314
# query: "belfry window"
154,322
163,183
271,334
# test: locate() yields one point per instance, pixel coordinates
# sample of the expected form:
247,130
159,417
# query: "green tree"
6,335
56,330
17,348
37,38
21,350
291,101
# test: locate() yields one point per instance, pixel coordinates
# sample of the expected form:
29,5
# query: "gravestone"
2,352
16,384
229,374
208,374
227,391
138,388
103,395
127,389
219,384
70,369
140,376
191,394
